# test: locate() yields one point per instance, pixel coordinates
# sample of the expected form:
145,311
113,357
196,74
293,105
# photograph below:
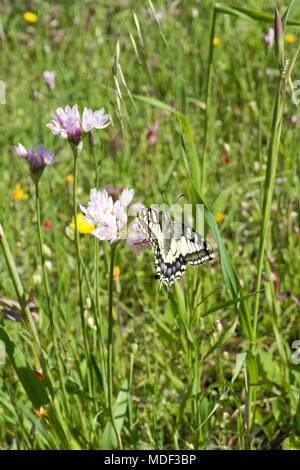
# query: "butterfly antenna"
179,197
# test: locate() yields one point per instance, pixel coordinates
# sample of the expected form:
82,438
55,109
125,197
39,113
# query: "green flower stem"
40,242
268,191
24,306
98,315
96,278
208,97
76,152
110,347
48,293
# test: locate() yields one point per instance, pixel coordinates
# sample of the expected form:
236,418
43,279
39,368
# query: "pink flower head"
95,120
108,230
67,123
153,133
137,240
109,217
19,150
269,38
37,161
99,205
49,78
126,197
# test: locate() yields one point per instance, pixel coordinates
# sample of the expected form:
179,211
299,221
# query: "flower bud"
279,39
134,348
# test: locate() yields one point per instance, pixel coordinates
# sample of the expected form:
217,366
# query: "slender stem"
24,305
268,191
98,316
48,293
208,97
76,151
110,347
40,242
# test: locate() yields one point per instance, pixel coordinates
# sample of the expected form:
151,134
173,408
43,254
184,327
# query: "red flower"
47,223
226,160
38,374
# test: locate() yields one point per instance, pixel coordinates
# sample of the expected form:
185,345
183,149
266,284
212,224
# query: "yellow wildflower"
30,17
41,412
289,37
19,193
220,217
116,273
69,179
83,225
216,41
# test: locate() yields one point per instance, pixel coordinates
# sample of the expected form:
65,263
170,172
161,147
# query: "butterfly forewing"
175,245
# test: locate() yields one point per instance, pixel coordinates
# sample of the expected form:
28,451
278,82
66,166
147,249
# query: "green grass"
178,382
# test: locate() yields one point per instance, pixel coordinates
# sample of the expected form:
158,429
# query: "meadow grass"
201,106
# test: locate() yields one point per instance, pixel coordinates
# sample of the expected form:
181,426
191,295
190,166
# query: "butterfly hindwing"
194,247
175,245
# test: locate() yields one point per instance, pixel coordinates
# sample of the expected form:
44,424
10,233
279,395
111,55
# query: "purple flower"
137,240
49,78
19,150
153,133
95,120
269,38
68,124
37,161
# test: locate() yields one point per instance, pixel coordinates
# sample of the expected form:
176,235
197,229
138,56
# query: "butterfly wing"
157,227
175,245
194,247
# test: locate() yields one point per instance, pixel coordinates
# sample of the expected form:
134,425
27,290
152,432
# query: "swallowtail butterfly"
175,245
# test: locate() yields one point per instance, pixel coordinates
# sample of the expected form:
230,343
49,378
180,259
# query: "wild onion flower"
37,160
110,218
269,38
95,120
137,240
68,124
153,133
49,78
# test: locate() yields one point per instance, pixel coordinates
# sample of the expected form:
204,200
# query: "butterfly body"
175,244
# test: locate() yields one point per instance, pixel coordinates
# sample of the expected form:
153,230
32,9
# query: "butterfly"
175,245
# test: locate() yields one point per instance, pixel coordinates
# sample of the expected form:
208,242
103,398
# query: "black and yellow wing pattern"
175,245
